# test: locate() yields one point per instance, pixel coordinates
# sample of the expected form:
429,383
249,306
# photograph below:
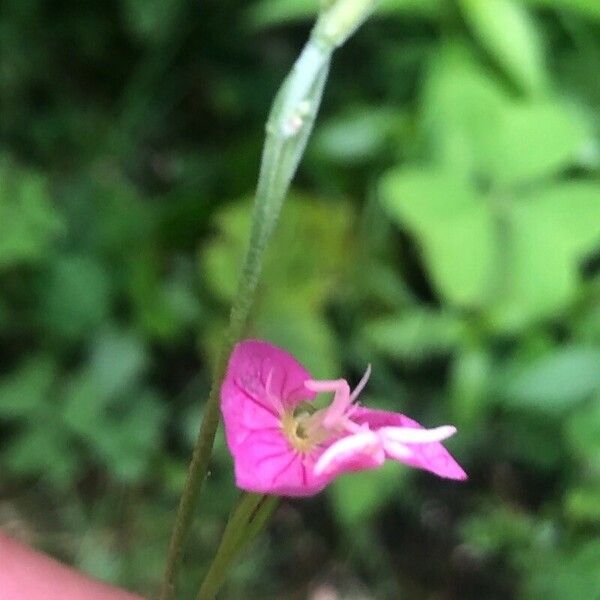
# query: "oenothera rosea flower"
282,445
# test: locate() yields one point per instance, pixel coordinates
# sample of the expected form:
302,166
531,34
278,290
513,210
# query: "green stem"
246,521
288,128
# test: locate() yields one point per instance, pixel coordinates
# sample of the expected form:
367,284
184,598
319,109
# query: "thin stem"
288,128
245,522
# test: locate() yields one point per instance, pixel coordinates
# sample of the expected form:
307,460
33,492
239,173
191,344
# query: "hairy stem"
246,520
288,128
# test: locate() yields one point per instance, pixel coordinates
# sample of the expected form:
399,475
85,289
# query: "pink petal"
430,457
266,464
246,403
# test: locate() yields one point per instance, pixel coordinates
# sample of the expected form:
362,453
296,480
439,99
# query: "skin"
26,574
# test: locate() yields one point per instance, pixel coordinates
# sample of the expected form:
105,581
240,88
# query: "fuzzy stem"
245,522
288,128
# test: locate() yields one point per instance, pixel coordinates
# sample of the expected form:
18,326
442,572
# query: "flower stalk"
288,128
246,520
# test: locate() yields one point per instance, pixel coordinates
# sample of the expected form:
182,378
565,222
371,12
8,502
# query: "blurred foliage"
445,227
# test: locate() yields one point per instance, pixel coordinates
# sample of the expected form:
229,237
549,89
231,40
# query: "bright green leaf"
463,111
582,432
358,135
305,335
573,209
453,227
549,234
535,140
28,221
306,257
555,382
507,31
470,386
415,334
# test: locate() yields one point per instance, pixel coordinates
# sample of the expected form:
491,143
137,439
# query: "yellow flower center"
295,430
304,429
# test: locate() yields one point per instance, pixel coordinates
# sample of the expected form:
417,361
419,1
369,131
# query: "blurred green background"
444,226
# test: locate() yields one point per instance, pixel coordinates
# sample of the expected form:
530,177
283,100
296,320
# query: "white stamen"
361,384
341,399
415,435
396,450
366,442
272,397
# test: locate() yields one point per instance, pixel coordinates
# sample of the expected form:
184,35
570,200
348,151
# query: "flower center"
306,427
295,428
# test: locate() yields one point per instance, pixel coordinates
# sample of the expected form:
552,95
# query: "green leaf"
42,452
267,13
164,306
309,248
358,496
463,110
550,233
556,382
422,8
77,296
305,335
26,389
84,405
28,221
470,386
498,528
108,410
506,30
477,127
357,135
535,140
573,209
582,504
574,573
303,264
97,558
582,432
452,225
275,12
127,443
122,433
587,8
587,324
118,360
415,334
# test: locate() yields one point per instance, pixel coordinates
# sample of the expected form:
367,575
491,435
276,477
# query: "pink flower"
282,445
